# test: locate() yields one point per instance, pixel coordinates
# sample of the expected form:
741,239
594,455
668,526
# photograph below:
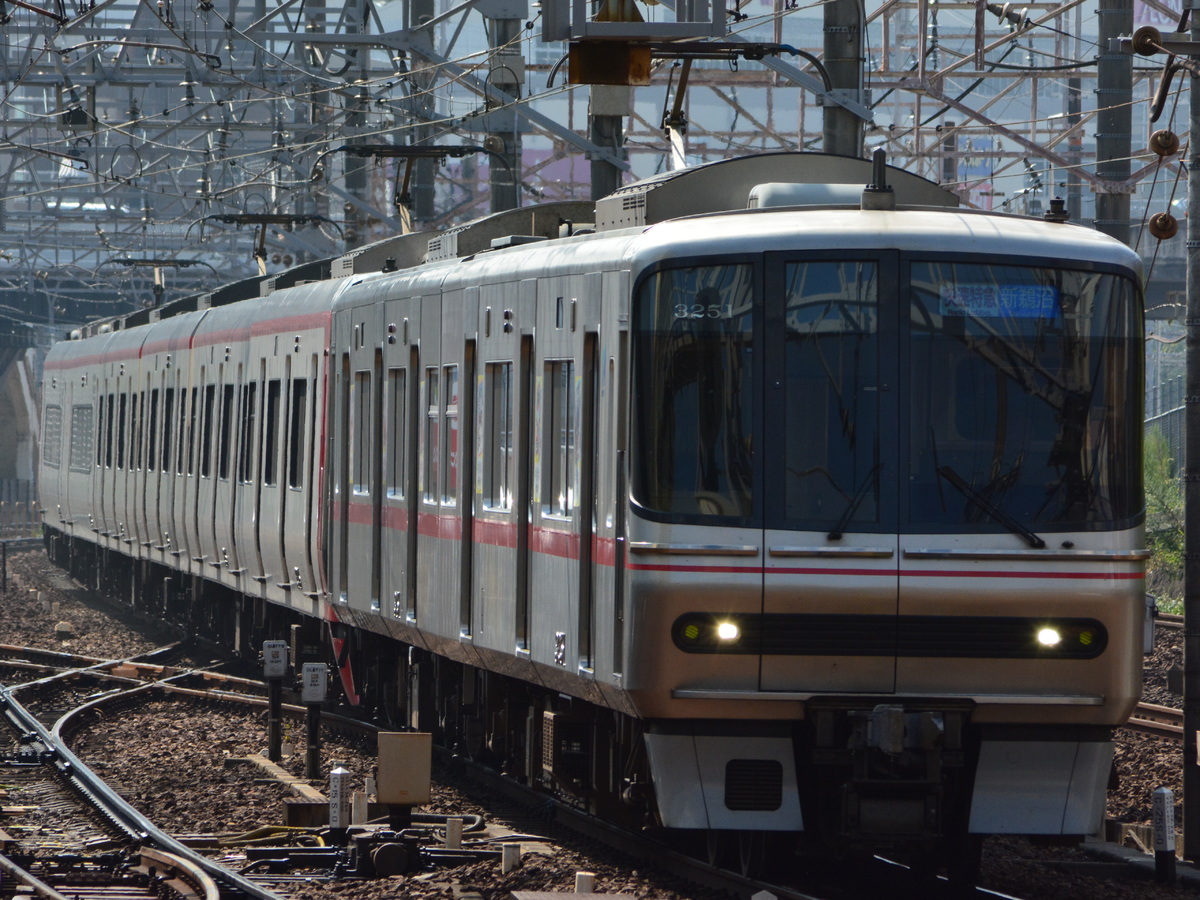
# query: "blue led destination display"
1019,301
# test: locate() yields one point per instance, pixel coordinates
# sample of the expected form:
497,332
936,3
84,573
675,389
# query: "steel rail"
104,799
1169,620
23,876
637,845
1159,721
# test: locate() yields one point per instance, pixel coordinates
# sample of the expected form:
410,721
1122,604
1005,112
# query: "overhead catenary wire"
254,167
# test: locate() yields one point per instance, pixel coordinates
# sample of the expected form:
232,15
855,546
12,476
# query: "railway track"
98,845
1169,620
209,689
1159,721
150,875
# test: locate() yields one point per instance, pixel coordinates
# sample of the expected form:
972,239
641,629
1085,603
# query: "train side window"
249,418
122,415
296,433
360,428
135,431
429,478
168,417
558,439
81,438
108,430
497,479
100,435
152,436
450,444
225,445
140,416
397,416
52,436
187,450
271,432
206,435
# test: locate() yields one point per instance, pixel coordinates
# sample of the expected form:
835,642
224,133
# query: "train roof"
917,230
704,196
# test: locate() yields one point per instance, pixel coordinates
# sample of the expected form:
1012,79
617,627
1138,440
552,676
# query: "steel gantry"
146,128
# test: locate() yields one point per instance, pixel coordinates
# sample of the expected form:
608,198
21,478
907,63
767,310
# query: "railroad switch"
370,853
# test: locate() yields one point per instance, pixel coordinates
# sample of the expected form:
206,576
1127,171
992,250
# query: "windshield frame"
986,523
894,333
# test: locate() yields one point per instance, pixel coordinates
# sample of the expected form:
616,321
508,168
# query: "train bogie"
816,519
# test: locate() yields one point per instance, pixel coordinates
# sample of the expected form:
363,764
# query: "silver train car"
746,502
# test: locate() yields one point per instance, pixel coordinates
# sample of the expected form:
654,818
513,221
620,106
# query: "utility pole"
508,74
1184,54
1147,41
1191,476
1074,118
421,110
1114,117
843,130
609,105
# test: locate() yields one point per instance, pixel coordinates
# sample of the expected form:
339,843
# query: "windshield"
831,392
875,392
1024,382
694,367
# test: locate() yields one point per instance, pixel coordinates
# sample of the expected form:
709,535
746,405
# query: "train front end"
885,559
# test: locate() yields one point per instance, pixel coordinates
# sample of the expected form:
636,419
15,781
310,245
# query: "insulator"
1147,40
1164,226
1164,142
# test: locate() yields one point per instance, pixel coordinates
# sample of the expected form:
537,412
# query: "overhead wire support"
264,221
402,198
1148,42
139,262
136,262
61,20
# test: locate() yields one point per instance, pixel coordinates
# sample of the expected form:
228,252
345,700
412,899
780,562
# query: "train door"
362,508
296,524
830,571
427,499
178,545
168,416
270,491
496,520
558,505
588,506
439,524
96,498
339,460
247,464
196,461
206,451
55,423
310,462
142,487
124,505
401,379
229,415
102,484
153,495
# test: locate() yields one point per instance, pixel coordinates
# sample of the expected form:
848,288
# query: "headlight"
1049,637
713,633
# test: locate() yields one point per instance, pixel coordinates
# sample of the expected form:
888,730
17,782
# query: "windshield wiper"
996,513
852,507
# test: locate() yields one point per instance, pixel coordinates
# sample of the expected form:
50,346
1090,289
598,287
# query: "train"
775,502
